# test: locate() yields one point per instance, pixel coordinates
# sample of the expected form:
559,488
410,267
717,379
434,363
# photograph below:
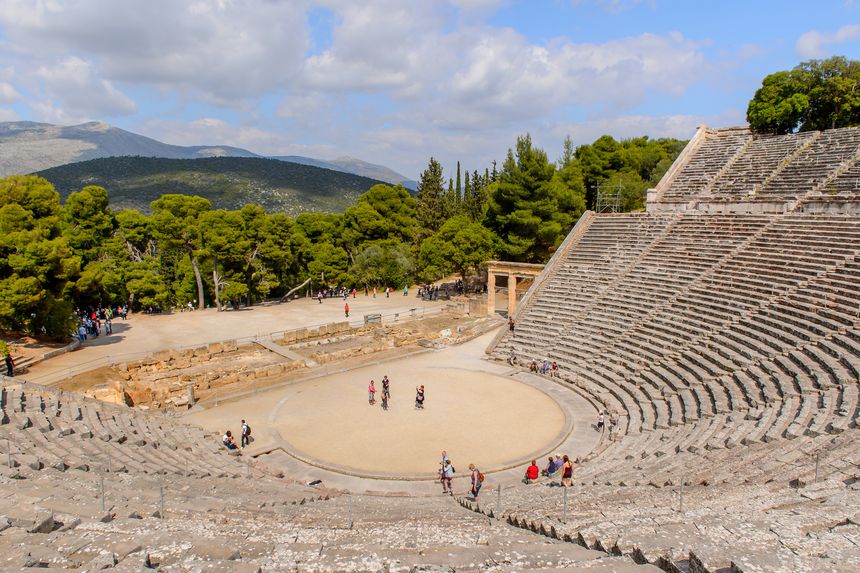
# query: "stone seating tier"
732,166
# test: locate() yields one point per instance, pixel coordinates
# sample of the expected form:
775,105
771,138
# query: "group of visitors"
95,321
431,292
555,465
386,394
545,367
446,476
245,437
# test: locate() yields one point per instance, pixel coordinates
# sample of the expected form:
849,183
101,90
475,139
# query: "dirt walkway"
145,333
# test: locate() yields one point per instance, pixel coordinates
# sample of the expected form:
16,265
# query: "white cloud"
8,114
72,84
223,50
815,44
8,93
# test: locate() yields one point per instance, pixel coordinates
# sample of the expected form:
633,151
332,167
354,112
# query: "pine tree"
459,186
430,200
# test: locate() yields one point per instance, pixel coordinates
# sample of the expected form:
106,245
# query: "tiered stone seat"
714,152
739,507
847,183
749,171
815,164
67,431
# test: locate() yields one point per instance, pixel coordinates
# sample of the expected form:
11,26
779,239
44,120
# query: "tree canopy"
815,95
55,257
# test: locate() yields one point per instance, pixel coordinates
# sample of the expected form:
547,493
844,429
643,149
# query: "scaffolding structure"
608,199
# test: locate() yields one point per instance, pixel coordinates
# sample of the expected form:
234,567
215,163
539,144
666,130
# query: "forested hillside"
227,182
212,231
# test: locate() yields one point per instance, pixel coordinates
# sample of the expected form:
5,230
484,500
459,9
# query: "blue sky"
395,82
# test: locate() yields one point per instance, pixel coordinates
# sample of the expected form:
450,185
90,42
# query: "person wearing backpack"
246,434
447,477
477,481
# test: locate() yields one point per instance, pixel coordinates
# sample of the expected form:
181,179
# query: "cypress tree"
430,200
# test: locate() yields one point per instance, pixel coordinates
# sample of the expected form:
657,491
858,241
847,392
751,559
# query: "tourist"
544,367
371,393
10,364
511,324
346,310
566,472
419,398
477,481
374,292
512,359
447,477
533,367
550,468
553,371
406,290
228,442
532,472
600,422
387,292
246,434
319,296
386,392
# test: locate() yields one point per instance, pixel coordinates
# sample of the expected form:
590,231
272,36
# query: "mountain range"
28,147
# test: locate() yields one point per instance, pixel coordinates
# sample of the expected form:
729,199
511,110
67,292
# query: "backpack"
247,430
481,476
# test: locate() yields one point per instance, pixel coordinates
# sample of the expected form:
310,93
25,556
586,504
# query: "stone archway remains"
512,271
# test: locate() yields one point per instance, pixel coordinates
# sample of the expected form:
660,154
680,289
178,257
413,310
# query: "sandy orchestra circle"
490,420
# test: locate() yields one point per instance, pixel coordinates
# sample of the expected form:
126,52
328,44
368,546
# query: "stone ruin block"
162,356
215,348
230,346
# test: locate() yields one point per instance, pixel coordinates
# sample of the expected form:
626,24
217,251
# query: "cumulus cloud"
73,83
222,50
399,80
815,44
8,93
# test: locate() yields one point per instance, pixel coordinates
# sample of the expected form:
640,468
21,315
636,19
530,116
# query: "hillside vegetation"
227,182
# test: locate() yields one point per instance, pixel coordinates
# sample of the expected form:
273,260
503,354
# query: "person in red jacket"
532,472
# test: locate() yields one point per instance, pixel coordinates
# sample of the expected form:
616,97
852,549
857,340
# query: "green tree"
429,207
387,263
88,222
382,213
530,210
176,219
225,243
37,265
815,95
459,246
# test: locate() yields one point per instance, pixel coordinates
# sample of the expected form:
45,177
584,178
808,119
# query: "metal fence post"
681,504
817,460
9,453
349,509
499,502
564,507
161,501
101,493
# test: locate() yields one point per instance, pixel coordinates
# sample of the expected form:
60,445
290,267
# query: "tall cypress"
430,200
